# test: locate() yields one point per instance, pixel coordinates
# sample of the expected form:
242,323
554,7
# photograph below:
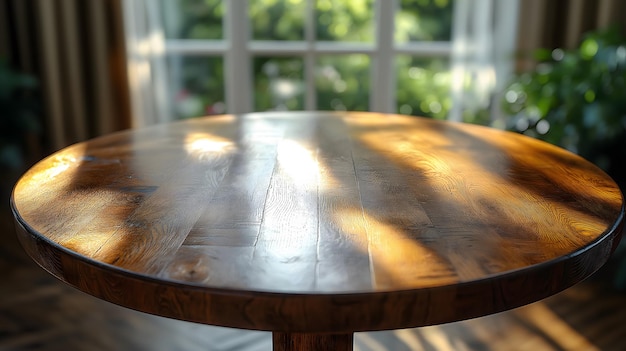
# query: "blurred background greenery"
576,99
342,82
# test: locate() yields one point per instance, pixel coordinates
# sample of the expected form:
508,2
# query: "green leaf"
589,48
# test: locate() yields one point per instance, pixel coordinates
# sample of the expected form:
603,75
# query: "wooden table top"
318,222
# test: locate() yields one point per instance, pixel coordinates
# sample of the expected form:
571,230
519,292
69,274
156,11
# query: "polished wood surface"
305,342
40,313
318,222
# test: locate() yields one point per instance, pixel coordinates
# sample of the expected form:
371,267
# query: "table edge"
71,268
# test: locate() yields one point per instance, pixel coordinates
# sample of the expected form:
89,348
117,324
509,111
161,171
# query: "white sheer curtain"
484,33
147,71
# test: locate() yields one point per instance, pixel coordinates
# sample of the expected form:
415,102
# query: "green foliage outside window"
342,81
424,20
576,99
349,21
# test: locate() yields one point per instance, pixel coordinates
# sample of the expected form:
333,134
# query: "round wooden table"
317,225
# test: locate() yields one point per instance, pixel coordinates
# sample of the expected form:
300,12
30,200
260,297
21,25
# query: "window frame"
238,50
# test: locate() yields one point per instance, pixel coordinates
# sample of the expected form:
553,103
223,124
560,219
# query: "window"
236,56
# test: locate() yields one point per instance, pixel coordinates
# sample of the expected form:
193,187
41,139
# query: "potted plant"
577,99
19,117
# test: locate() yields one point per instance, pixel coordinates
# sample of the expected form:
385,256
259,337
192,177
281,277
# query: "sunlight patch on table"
203,144
297,161
396,260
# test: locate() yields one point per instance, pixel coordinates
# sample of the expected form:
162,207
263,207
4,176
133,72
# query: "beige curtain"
561,23
75,49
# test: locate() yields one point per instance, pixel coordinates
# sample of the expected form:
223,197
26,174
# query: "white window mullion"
460,46
310,45
506,20
483,46
382,86
196,47
310,97
163,111
238,61
425,48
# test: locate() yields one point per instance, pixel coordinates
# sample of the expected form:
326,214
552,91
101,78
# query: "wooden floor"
39,313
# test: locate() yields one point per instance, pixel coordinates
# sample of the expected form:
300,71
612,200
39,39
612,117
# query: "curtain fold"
561,24
481,51
76,50
146,62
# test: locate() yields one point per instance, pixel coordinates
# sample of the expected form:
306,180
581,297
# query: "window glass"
345,20
424,20
342,82
192,19
196,85
423,86
277,19
278,83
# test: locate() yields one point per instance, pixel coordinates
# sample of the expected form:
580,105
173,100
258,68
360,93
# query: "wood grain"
38,312
318,222
305,342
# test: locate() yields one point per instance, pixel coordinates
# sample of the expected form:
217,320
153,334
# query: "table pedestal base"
312,342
